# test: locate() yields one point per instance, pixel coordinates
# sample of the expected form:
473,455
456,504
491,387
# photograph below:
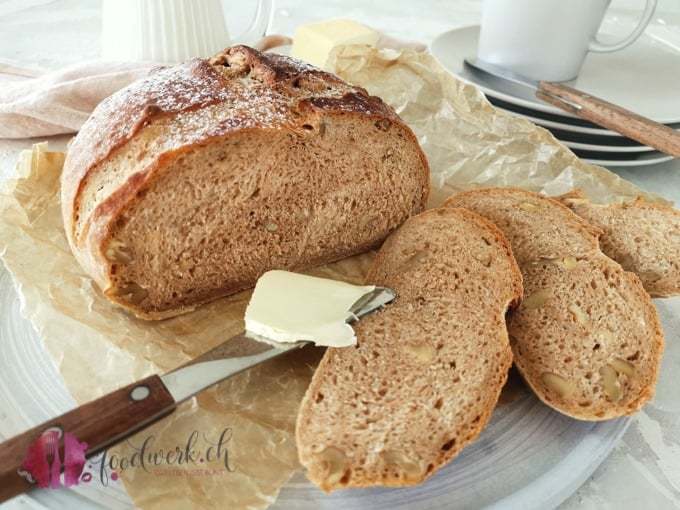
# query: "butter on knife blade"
289,307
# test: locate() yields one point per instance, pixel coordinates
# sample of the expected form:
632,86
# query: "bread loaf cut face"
642,236
427,370
586,337
188,185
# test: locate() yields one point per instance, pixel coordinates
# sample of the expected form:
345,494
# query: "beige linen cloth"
33,104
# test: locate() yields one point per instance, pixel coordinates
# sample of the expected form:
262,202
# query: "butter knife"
119,414
594,109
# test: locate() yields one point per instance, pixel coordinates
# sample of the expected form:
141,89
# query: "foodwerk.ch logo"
200,455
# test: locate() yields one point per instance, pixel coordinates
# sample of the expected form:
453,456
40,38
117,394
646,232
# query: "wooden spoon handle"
99,424
611,116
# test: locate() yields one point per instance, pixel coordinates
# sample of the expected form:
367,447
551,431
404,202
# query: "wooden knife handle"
611,116
99,423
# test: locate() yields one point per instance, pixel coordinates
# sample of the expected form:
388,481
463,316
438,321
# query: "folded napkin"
35,104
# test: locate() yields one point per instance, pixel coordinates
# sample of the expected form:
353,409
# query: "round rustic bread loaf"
188,185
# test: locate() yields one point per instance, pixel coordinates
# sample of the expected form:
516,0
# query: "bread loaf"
586,337
428,369
188,185
643,237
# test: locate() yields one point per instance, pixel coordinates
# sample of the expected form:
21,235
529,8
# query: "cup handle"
599,47
258,28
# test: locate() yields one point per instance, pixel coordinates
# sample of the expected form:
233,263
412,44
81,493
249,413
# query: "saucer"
622,159
573,124
649,68
587,142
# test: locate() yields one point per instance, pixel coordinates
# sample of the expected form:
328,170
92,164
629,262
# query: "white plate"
649,68
547,119
529,457
635,149
572,131
582,144
637,159
31,392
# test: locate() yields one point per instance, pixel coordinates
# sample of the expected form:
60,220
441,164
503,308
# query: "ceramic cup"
172,30
547,39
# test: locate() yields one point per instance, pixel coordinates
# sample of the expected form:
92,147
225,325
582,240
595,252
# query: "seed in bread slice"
586,337
642,236
427,370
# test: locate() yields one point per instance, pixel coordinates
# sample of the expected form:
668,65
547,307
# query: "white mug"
547,39
172,30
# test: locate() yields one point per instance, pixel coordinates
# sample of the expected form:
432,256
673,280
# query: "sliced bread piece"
427,371
643,237
587,337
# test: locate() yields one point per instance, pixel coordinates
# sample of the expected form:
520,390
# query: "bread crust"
282,94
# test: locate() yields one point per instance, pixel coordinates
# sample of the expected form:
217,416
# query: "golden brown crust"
197,84
119,117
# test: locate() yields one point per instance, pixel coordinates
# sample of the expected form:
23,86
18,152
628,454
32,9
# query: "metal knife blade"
476,65
244,351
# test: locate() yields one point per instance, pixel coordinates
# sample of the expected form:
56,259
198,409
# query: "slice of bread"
643,237
587,337
427,370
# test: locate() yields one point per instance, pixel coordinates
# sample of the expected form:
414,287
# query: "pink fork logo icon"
43,465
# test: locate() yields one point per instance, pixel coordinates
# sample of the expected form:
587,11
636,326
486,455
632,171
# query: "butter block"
314,42
288,307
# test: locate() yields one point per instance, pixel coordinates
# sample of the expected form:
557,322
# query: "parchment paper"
98,347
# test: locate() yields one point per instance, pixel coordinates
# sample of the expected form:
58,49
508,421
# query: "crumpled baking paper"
98,347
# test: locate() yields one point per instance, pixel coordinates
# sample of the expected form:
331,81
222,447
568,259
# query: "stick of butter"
288,307
314,42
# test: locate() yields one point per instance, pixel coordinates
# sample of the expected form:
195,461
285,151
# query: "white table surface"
644,470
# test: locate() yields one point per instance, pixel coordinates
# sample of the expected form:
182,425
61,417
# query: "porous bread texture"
427,371
642,236
586,337
190,184
534,227
587,340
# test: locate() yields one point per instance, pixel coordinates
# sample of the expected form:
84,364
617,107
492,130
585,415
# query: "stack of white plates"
644,78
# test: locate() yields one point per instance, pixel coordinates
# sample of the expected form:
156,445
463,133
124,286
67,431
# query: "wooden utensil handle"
99,423
611,116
